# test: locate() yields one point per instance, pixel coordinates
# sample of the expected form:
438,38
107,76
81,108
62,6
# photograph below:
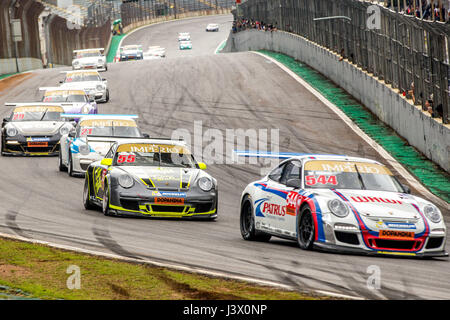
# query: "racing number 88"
126,158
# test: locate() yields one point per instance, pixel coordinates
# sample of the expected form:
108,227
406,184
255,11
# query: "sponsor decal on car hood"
163,177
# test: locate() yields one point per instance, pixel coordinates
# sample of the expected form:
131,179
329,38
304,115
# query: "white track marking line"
179,267
394,163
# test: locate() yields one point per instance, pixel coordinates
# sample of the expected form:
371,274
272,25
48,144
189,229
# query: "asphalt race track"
224,91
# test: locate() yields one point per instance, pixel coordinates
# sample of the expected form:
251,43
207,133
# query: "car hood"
100,145
164,178
75,107
30,128
130,52
377,204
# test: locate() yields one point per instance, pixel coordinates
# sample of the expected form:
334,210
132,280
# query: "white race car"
131,52
88,81
73,101
184,36
214,27
89,59
185,45
154,52
341,204
92,138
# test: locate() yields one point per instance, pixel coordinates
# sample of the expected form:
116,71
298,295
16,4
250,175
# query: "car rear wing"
93,49
280,155
53,89
24,104
99,116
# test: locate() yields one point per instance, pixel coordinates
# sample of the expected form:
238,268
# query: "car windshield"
78,77
49,115
110,128
65,98
91,54
154,155
328,174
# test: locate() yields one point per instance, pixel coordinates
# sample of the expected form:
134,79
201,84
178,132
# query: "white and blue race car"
185,45
341,204
91,139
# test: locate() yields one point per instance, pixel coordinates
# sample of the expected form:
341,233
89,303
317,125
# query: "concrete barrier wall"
429,136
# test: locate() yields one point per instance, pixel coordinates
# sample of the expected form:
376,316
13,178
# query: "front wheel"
247,223
86,201
305,229
107,96
105,202
61,165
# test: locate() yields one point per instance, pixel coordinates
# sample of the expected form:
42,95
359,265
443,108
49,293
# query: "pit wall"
428,135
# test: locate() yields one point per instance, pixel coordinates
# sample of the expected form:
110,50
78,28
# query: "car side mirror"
146,135
201,166
61,81
106,162
103,79
294,183
406,189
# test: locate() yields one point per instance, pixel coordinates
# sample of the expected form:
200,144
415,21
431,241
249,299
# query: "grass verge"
38,271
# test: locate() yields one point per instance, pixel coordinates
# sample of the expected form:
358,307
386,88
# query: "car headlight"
432,213
205,183
99,88
338,208
11,132
85,109
85,149
64,130
126,181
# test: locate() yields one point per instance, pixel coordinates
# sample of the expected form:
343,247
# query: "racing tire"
105,201
61,165
107,96
247,223
86,201
70,167
305,229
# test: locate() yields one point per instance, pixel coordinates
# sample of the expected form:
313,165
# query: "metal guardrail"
410,54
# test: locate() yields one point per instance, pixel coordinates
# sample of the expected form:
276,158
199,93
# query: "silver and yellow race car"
151,178
33,129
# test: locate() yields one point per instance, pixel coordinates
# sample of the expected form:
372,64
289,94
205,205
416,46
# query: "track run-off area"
217,91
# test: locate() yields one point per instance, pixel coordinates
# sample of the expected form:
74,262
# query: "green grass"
427,172
38,271
6,75
113,48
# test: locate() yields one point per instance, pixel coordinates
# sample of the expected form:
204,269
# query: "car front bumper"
31,145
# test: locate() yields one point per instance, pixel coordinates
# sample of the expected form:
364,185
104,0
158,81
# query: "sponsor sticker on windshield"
24,109
346,166
96,123
152,148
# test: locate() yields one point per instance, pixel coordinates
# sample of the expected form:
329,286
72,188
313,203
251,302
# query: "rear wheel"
305,229
86,201
247,222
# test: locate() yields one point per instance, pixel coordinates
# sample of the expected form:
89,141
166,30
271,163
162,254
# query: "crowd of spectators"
243,24
431,9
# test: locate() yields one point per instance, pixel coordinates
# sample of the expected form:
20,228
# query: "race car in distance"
73,101
89,59
341,204
92,138
88,81
153,178
33,129
184,36
131,52
214,27
154,52
185,45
